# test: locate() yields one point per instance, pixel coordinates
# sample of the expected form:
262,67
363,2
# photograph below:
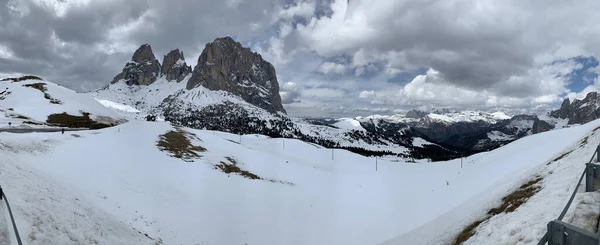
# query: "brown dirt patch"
4,93
179,145
70,121
38,86
32,123
232,167
21,117
509,204
562,156
18,79
42,87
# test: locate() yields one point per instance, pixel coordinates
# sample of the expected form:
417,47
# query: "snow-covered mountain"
468,131
234,90
210,187
579,111
30,101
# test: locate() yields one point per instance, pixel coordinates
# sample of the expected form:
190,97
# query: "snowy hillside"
33,102
444,116
223,111
251,189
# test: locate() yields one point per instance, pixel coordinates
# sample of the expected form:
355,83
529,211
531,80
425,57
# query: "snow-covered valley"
106,185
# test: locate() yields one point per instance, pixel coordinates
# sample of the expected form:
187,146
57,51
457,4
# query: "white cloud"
300,9
289,93
5,52
471,45
331,67
367,95
431,89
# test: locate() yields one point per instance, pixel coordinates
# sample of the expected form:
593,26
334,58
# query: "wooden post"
331,154
375,164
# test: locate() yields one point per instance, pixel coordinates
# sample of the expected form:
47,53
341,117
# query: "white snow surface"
148,98
115,181
446,117
420,142
500,115
349,123
118,106
30,102
488,177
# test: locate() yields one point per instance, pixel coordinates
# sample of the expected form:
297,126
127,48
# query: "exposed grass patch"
584,141
509,204
76,135
4,93
232,167
42,87
32,123
11,109
514,200
562,156
21,117
70,121
18,79
468,232
38,86
179,145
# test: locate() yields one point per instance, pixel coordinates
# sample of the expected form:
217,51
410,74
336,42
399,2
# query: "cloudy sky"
333,57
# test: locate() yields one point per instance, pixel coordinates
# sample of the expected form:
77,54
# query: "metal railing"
561,233
12,218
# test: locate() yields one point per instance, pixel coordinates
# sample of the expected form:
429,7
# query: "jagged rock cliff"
226,65
174,67
143,69
579,111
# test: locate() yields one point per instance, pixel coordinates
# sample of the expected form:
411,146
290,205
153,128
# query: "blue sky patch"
581,78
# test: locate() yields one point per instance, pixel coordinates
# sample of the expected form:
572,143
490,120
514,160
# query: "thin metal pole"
375,164
331,154
598,153
12,219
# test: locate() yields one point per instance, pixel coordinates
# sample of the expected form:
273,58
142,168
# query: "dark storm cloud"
82,47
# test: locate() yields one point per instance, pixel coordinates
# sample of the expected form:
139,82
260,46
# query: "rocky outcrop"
579,111
174,67
564,111
416,114
225,65
541,126
143,69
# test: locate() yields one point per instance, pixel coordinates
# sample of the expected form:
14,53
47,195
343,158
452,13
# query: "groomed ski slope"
120,176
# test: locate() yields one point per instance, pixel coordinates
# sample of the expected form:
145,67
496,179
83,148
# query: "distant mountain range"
233,89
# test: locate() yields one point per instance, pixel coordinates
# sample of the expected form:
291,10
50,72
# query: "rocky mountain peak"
174,67
416,114
143,54
579,111
228,66
143,69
